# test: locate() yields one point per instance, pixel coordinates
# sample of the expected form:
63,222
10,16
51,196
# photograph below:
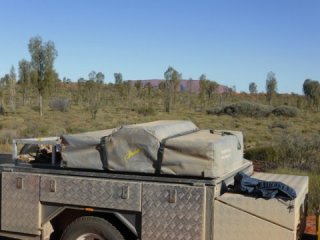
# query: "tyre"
91,228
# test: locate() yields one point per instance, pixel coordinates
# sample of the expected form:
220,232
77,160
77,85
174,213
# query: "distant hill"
195,85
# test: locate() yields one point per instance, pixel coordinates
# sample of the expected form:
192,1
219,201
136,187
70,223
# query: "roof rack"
55,142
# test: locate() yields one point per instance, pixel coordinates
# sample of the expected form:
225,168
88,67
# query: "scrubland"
286,140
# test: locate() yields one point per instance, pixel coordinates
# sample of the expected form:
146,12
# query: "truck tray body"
165,208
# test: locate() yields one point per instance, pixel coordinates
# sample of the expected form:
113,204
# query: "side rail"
54,142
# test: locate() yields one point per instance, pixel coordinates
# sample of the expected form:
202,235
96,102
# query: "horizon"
234,43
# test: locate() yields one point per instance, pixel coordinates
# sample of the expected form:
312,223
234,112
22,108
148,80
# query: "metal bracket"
19,183
125,192
172,196
52,186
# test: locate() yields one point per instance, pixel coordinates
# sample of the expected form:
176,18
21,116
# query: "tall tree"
212,87
189,91
3,85
203,84
253,88
81,93
12,89
118,79
24,79
207,89
138,86
127,85
172,80
271,86
94,92
43,55
100,77
149,92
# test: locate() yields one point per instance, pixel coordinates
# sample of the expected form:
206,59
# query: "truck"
164,180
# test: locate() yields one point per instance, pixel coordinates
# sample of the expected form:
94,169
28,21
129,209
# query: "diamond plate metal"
165,219
20,203
90,192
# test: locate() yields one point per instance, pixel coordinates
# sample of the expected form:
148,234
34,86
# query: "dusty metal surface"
89,192
233,224
20,203
173,212
283,213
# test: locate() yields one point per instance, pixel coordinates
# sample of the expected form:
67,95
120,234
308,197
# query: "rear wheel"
91,228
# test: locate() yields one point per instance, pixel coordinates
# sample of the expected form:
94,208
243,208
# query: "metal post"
15,150
53,156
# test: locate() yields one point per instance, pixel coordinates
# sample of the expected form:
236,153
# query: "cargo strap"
158,163
227,133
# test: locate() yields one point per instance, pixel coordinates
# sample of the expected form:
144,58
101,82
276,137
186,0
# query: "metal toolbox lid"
283,213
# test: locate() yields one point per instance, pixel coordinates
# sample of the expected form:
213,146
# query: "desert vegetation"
281,130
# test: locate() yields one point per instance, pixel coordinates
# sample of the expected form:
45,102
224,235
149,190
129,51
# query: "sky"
233,42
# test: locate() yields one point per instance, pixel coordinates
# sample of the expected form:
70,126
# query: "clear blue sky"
233,42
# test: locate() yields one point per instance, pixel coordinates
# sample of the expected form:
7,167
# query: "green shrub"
287,111
253,109
146,111
299,151
245,108
61,105
281,125
261,153
216,111
292,151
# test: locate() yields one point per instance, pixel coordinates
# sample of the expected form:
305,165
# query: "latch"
52,186
19,183
172,196
125,192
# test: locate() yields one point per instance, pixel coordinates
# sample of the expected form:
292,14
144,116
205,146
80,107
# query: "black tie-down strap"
158,163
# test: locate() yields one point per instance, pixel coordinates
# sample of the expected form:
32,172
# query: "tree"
211,88
207,89
172,80
127,86
148,86
203,84
100,77
253,88
118,79
311,90
4,90
94,92
43,55
24,79
138,86
189,91
12,89
271,86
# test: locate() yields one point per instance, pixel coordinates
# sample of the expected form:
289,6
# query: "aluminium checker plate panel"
20,203
173,212
90,192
